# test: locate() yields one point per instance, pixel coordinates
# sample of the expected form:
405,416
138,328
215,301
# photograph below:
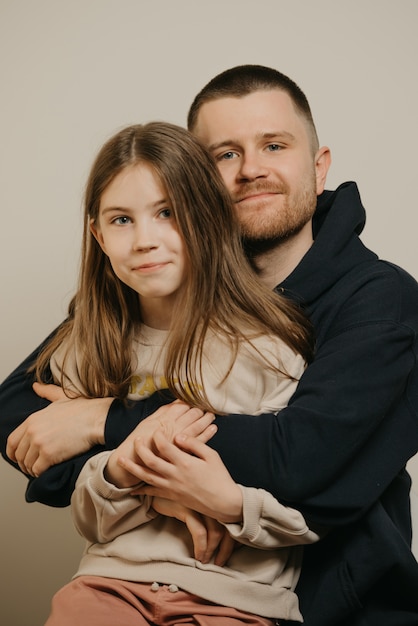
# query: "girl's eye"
165,213
122,220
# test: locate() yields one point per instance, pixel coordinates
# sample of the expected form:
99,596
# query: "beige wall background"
72,73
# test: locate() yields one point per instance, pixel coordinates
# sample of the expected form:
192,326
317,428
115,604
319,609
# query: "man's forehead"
260,113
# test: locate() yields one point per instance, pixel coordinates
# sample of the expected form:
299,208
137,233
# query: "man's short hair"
243,80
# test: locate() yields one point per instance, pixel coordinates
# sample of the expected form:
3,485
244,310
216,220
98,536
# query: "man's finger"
199,427
49,392
208,433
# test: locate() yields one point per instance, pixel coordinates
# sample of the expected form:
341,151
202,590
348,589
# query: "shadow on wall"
40,551
414,513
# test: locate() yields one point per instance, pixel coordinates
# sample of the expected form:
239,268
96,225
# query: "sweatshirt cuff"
252,504
95,468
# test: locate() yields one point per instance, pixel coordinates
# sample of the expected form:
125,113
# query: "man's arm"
18,401
65,428
17,398
348,431
352,423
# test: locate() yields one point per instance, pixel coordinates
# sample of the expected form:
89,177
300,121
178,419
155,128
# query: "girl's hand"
210,539
175,418
187,471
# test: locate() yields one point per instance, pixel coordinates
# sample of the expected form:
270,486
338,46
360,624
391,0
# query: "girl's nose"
145,237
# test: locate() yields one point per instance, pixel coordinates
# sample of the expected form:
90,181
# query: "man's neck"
276,264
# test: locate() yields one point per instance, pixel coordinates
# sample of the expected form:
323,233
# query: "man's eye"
226,156
274,147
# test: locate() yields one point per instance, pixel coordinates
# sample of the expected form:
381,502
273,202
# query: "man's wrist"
100,416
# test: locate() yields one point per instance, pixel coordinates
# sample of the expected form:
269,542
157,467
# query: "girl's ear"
96,232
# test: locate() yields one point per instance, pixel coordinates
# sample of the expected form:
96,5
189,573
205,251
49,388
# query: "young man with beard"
338,452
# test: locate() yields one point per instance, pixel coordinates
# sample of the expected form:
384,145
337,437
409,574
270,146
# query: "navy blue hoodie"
338,451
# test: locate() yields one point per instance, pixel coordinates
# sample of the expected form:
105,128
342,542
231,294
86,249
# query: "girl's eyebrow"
108,209
117,207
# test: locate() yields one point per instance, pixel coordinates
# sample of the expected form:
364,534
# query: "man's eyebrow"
279,135
222,144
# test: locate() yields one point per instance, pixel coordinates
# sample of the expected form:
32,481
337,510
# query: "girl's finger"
193,446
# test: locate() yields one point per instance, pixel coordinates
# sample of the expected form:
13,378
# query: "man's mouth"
256,195
248,193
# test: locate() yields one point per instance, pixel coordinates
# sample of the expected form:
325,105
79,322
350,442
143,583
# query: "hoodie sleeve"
18,400
349,429
100,510
352,424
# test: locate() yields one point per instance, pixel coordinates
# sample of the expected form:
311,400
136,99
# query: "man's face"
264,152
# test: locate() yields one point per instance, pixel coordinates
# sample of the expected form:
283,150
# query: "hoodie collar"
337,223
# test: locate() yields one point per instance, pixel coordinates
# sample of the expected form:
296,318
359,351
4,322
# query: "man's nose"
252,166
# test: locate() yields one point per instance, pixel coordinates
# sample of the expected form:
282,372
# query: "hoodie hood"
337,249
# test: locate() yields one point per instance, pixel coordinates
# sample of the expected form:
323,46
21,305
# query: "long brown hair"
221,292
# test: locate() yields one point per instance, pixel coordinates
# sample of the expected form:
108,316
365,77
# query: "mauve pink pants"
98,601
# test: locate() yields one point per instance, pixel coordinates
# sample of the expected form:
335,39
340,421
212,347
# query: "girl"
167,300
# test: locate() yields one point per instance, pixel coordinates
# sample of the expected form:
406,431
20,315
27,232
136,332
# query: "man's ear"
322,165
97,234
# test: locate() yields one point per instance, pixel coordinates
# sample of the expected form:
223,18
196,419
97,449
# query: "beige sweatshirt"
126,539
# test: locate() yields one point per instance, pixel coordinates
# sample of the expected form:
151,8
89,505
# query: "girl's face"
137,231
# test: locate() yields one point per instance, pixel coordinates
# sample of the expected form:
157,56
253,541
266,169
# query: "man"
338,451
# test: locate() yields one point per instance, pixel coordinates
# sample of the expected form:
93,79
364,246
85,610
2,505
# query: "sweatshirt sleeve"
100,510
55,486
267,524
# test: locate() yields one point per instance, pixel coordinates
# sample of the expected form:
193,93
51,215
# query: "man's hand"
186,471
64,429
175,418
210,539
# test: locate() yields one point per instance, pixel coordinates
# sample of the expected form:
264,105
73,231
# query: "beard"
267,223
